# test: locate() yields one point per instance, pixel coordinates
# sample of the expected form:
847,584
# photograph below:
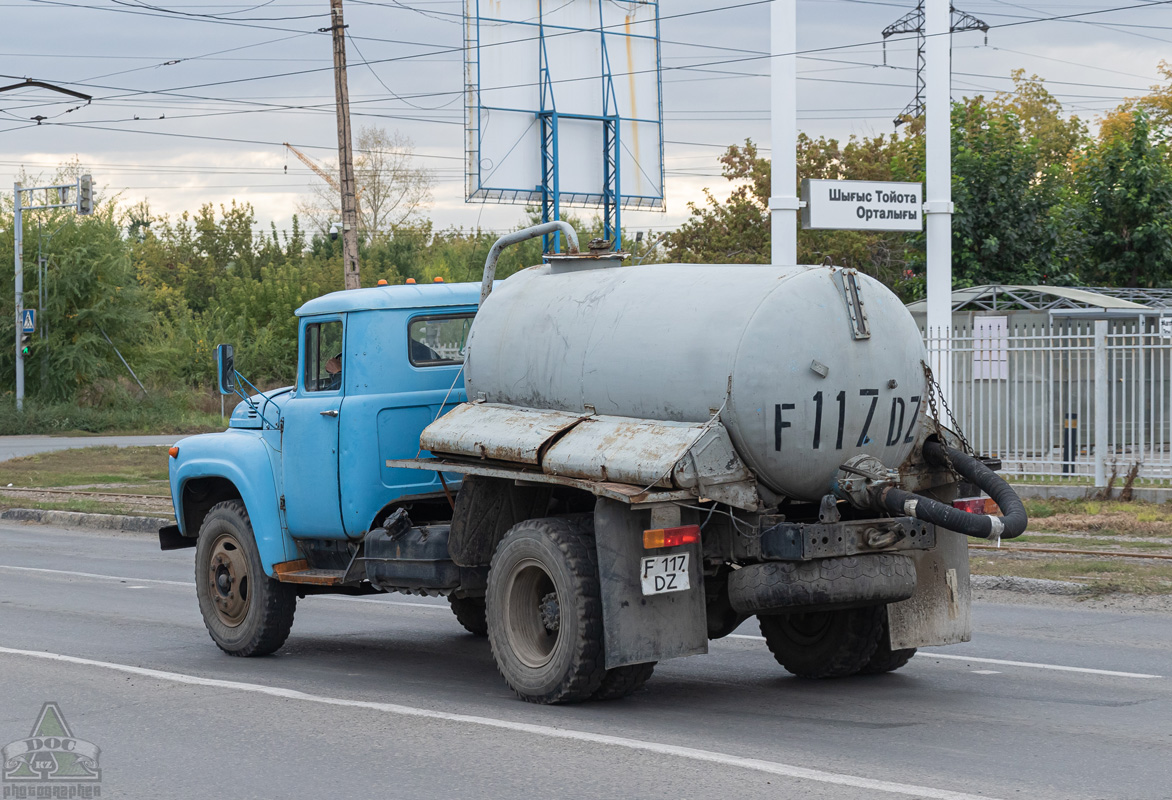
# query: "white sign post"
862,205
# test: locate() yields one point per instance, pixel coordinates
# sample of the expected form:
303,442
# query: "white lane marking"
95,576
435,607
189,584
986,672
1003,662
710,756
1032,665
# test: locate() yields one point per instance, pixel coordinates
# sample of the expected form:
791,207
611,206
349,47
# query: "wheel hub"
228,580
550,613
532,613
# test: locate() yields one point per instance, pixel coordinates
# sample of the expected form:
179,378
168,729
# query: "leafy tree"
1122,199
1040,120
1003,193
93,305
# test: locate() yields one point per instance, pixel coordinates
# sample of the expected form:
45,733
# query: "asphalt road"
390,698
16,446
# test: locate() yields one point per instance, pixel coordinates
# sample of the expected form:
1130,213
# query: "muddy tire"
469,612
824,644
622,681
885,659
822,584
246,612
544,612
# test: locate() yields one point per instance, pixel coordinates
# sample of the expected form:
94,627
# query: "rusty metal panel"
939,612
642,628
651,453
624,493
623,450
495,431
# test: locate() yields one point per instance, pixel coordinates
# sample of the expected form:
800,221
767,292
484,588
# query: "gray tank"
806,366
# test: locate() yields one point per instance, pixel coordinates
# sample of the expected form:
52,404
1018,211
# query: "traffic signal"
24,340
85,195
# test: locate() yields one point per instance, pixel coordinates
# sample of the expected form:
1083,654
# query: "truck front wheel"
545,613
824,644
246,612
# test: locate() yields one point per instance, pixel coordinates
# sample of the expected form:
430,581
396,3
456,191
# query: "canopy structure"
999,297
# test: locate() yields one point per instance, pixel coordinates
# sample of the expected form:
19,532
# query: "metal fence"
1067,401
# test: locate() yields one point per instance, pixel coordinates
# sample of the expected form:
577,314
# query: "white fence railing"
1067,401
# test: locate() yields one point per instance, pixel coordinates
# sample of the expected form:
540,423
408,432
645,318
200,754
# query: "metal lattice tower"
913,22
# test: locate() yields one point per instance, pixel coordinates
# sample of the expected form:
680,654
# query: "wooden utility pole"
345,151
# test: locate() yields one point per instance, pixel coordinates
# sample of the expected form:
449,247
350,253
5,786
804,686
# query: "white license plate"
661,574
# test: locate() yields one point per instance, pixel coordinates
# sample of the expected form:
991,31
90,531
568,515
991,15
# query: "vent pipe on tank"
516,237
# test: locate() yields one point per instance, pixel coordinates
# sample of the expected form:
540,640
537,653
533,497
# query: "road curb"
77,519
1009,583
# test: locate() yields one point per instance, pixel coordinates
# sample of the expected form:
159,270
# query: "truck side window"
323,356
438,340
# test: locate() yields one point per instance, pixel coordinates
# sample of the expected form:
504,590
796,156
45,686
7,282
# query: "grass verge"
87,466
177,413
84,506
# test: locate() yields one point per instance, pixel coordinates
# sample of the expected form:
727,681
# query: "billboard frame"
550,193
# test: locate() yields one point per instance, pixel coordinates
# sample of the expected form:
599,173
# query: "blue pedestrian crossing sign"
30,320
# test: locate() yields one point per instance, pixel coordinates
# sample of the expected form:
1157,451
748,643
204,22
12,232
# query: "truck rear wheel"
622,681
246,612
469,612
886,659
824,644
545,612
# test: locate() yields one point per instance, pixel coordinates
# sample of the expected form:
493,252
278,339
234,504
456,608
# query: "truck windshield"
437,340
323,356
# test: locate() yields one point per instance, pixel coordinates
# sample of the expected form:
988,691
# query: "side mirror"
226,368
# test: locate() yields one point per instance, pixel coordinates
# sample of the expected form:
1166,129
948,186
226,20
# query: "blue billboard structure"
564,106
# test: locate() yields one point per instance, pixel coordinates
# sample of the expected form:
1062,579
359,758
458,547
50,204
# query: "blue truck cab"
300,474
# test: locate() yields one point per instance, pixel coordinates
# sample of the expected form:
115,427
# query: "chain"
934,393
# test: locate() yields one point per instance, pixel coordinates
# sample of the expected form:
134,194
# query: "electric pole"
913,22
783,202
345,151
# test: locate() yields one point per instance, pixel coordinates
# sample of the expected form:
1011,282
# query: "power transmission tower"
345,151
913,22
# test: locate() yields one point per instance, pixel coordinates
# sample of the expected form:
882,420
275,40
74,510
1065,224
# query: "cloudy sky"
193,98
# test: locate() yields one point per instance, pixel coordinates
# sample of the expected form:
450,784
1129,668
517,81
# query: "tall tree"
1123,199
393,190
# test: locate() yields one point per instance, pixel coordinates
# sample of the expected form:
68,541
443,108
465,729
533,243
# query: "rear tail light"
670,537
977,505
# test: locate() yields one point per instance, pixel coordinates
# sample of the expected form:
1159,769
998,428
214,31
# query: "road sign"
1166,327
29,320
862,206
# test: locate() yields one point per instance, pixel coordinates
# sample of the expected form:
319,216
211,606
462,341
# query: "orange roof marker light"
173,452
382,281
437,279
411,280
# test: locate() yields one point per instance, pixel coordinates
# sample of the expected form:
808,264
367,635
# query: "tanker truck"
601,467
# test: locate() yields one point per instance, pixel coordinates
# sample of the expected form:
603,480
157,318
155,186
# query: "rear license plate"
662,574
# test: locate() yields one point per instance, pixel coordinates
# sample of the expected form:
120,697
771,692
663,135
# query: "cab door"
309,443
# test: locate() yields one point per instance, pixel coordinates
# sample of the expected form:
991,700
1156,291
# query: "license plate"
662,574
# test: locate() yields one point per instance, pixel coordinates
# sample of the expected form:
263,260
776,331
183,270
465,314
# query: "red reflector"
973,505
671,537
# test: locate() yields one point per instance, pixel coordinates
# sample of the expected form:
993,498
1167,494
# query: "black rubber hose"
983,526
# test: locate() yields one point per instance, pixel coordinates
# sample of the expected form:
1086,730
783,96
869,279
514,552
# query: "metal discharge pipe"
982,526
516,237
